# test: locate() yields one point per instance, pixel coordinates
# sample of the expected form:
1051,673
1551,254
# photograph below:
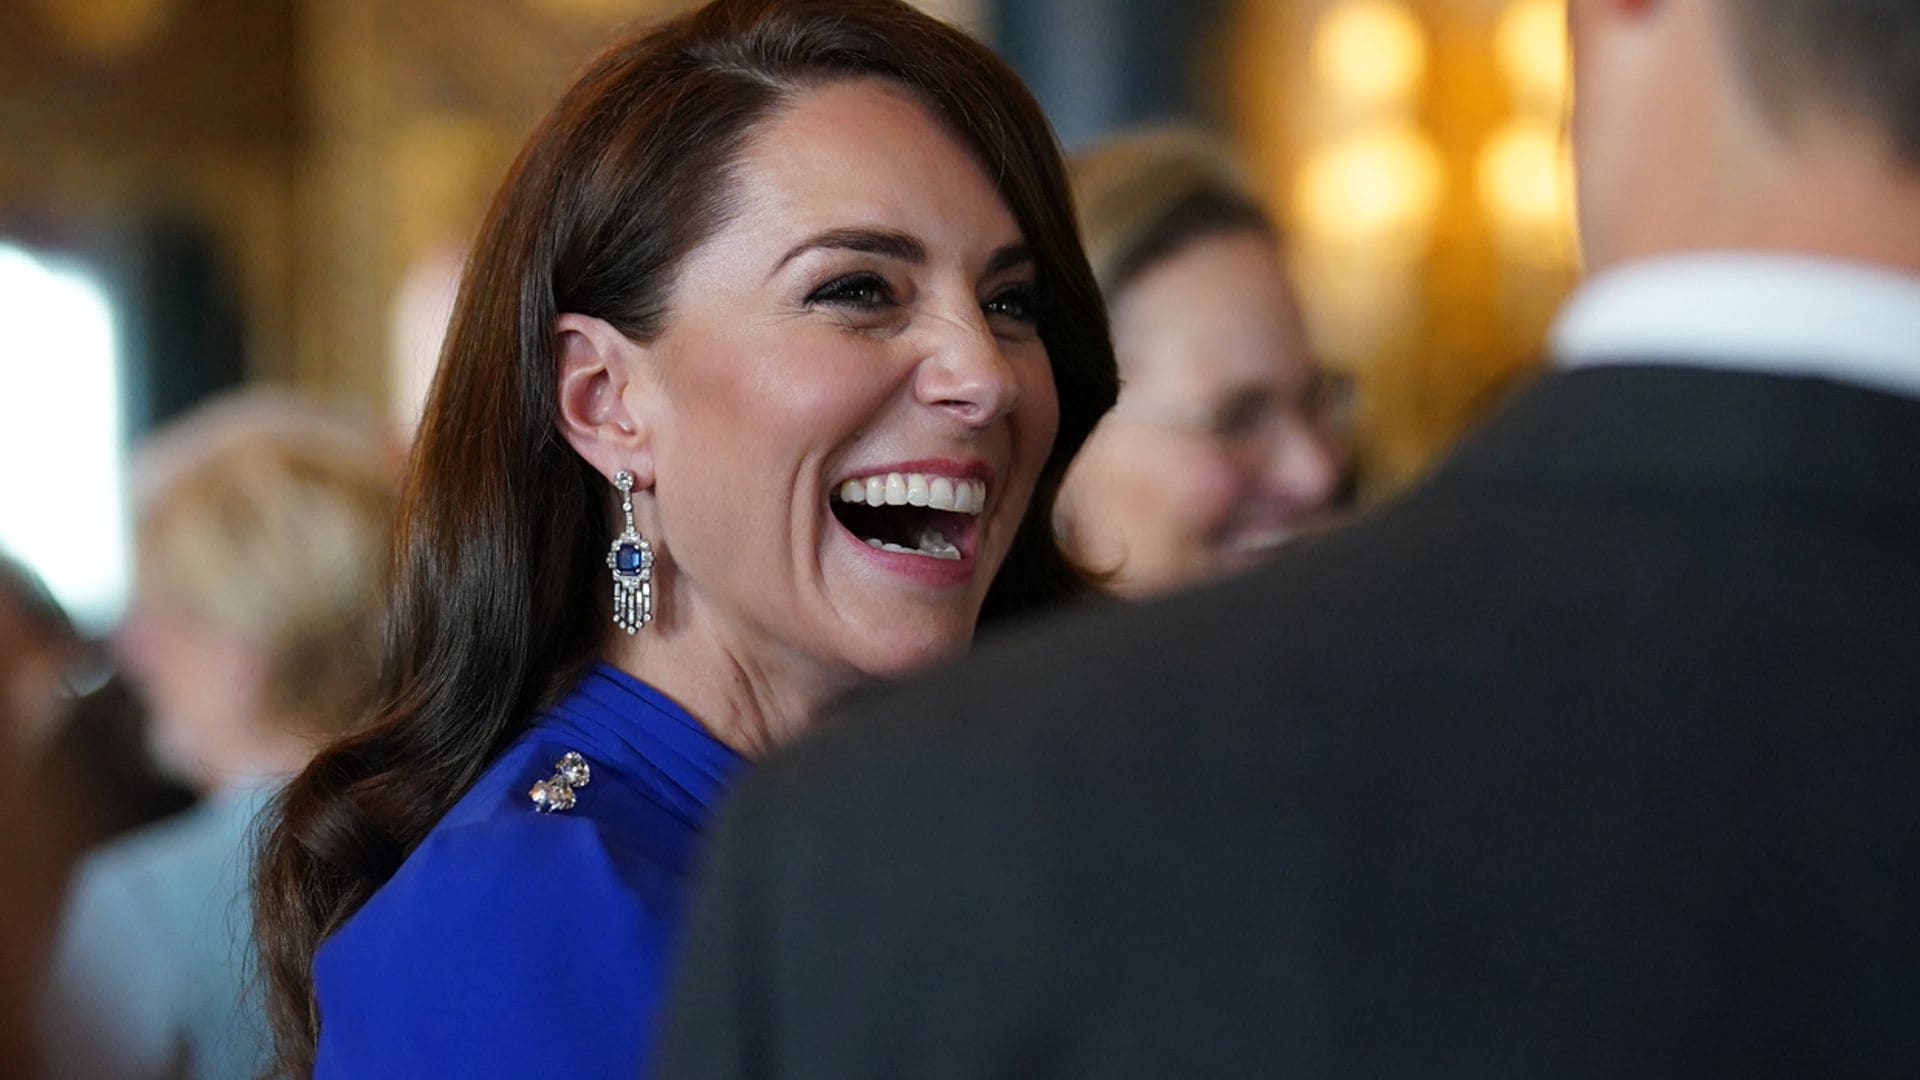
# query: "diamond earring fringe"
631,560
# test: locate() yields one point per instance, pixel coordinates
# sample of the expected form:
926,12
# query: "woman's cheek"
1204,489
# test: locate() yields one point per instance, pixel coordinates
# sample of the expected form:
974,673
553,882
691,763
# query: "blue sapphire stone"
628,559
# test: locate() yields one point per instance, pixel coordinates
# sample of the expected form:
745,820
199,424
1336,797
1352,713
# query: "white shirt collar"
1850,322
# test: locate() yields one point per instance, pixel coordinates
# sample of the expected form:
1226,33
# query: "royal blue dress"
519,943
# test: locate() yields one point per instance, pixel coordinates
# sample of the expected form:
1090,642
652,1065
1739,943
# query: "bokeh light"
1531,42
1382,185
1370,52
1525,182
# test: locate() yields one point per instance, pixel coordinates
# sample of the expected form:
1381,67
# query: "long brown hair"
498,563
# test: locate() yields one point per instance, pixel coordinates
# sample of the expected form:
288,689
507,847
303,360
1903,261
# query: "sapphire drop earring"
631,560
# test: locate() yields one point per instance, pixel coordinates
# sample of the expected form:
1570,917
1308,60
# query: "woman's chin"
898,652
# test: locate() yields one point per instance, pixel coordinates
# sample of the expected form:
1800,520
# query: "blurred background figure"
1219,450
260,536
67,715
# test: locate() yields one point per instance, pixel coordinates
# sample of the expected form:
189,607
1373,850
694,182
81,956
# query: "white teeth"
916,489
932,546
935,543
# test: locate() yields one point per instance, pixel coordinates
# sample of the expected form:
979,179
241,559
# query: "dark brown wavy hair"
496,591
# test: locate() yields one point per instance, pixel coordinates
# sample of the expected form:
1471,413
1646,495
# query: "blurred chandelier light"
1370,52
1519,174
1531,43
1524,170
1382,185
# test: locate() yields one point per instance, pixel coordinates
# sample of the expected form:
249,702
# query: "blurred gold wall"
341,152
418,108
327,145
1413,147
114,112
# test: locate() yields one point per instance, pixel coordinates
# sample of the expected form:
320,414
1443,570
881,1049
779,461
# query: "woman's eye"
1018,302
861,292
1242,416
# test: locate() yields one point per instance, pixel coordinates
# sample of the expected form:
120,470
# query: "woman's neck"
271,749
752,699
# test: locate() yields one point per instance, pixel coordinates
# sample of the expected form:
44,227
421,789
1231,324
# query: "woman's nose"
966,374
1304,465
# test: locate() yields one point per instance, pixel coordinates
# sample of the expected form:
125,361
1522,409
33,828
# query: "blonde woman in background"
1217,453
261,535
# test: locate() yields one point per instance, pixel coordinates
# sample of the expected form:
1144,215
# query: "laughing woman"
765,371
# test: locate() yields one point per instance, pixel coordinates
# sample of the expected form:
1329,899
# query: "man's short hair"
1813,58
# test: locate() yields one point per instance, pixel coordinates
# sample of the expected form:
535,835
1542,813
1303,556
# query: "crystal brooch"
555,793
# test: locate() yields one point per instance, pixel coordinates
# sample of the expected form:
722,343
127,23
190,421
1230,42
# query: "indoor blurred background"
196,194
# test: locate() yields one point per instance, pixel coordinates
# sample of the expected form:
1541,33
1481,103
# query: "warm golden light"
1416,147
1531,42
107,29
1525,179
1382,185
1525,168
1370,52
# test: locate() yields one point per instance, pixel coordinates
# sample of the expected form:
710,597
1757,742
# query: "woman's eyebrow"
1008,257
884,242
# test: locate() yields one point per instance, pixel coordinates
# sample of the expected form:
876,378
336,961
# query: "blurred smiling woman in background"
767,364
261,527
1218,452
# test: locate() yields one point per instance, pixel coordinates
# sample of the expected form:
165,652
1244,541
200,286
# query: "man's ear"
1588,11
603,386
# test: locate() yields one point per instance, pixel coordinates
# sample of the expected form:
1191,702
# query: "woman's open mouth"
931,515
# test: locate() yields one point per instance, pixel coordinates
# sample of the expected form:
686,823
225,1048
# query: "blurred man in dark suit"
1594,756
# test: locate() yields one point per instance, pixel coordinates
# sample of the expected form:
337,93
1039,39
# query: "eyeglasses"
1256,418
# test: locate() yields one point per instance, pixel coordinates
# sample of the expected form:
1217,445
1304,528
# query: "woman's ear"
603,386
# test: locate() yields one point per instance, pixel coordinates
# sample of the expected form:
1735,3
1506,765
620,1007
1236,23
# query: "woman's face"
861,332
203,687
1215,454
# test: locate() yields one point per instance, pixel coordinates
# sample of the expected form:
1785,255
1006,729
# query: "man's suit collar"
1697,441
1778,314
